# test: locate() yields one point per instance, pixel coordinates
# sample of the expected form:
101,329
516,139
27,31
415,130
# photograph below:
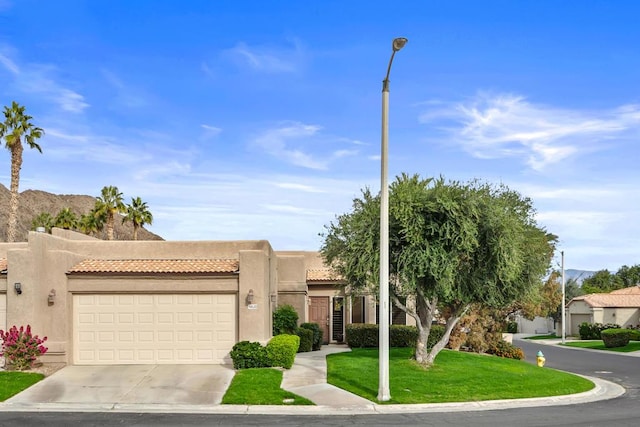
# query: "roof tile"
323,275
164,266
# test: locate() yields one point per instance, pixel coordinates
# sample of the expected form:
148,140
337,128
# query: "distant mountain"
34,202
579,275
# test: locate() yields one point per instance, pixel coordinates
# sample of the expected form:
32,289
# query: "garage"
576,320
111,329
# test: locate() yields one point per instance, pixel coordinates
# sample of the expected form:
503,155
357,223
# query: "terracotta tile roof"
184,266
611,300
322,275
633,290
3,265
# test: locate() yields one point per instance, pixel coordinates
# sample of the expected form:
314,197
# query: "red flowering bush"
20,348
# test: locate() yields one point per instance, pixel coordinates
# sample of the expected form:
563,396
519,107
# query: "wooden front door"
319,313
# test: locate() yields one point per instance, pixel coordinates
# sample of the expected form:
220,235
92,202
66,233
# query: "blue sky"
261,120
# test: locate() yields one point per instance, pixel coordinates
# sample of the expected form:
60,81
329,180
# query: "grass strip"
260,386
542,337
455,377
12,383
599,345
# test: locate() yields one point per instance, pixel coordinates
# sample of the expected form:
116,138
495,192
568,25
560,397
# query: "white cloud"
40,79
268,59
507,125
9,64
277,142
209,131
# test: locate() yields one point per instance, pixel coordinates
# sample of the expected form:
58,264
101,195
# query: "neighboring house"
538,325
621,307
154,302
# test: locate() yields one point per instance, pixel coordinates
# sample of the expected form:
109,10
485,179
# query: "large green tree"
16,129
139,214
602,281
108,205
451,245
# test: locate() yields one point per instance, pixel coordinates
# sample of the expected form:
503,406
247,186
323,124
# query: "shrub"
615,337
634,334
591,331
317,334
247,354
402,336
361,335
20,348
437,331
282,350
512,327
285,320
504,349
306,339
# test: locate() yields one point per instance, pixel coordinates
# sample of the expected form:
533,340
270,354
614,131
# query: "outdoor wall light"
18,288
52,296
249,299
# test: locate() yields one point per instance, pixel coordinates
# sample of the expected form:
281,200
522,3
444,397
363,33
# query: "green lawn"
260,386
455,377
542,337
599,345
12,383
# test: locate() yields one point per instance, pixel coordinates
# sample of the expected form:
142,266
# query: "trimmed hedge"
306,340
591,331
282,350
616,337
285,320
317,334
635,334
247,354
362,335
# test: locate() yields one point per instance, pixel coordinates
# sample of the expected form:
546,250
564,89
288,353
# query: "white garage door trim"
118,329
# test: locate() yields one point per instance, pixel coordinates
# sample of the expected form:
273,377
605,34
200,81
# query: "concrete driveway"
131,384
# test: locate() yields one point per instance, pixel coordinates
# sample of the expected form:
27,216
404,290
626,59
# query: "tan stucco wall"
41,264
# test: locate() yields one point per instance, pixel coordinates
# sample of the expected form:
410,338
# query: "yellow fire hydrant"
540,359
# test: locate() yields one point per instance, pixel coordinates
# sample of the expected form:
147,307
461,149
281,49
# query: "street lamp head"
398,43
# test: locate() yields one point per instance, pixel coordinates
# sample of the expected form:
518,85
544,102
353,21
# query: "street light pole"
564,316
383,378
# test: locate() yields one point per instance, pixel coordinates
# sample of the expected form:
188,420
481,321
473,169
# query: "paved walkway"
306,378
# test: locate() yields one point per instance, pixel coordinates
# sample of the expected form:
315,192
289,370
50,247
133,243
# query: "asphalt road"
623,411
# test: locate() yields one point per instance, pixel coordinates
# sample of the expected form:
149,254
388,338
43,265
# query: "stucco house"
621,307
160,302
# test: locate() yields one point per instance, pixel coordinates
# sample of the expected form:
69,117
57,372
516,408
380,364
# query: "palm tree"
93,222
17,127
138,213
110,204
43,220
66,219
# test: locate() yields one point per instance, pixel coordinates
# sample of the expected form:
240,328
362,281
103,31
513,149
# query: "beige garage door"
576,320
153,328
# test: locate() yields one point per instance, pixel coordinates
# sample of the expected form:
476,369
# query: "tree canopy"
605,281
452,244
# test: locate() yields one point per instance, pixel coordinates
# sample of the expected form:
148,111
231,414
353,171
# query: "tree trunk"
110,221
135,231
16,165
424,356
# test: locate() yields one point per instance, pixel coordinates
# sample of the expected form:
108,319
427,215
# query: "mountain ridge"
34,202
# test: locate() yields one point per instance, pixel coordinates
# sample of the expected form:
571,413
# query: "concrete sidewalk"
142,391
